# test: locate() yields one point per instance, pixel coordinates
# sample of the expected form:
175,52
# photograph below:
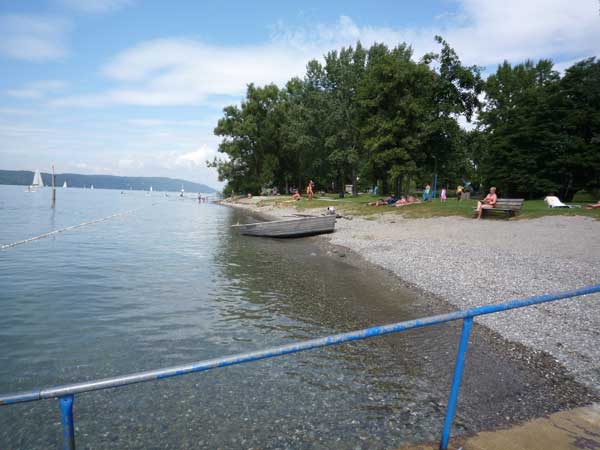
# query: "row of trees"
377,116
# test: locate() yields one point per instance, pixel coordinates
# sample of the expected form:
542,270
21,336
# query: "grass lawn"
358,206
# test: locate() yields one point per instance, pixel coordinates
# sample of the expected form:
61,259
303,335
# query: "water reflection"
174,284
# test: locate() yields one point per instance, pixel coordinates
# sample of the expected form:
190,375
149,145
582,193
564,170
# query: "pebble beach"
469,263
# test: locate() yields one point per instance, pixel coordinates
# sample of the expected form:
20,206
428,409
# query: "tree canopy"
377,116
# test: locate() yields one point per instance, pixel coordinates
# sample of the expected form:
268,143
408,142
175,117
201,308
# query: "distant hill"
24,177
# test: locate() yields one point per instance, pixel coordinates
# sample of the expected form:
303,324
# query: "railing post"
458,370
66,418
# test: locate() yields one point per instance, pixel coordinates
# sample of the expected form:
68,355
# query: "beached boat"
302,226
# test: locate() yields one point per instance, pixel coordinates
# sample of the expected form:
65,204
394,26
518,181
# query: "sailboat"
37,182
92,187
65,184
150,191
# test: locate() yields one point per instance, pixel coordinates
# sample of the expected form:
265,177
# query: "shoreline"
445,258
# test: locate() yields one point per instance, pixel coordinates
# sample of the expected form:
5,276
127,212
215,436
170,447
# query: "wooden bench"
508,206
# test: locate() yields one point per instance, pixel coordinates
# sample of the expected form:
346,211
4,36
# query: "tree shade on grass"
357,206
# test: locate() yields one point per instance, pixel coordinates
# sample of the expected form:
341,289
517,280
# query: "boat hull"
305,226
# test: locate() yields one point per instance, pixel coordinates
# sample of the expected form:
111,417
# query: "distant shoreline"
122,183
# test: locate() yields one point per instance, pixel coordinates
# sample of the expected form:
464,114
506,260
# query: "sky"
136,87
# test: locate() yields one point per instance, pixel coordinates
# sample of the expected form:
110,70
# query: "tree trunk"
354,183
569,192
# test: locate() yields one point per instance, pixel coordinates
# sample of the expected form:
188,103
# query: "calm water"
171,283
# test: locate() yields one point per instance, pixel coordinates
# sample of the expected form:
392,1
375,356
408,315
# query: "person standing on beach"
309,190
426,193
443,195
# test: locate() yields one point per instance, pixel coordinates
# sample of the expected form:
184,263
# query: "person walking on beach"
487,203
443,195
459,191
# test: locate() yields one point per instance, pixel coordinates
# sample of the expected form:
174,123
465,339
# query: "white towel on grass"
554,202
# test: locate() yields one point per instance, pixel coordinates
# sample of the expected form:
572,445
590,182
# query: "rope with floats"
72,227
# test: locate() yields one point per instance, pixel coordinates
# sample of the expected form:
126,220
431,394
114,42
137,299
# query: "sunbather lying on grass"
410,200
593,205
383,201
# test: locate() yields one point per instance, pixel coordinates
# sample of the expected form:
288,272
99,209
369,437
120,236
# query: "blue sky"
132,87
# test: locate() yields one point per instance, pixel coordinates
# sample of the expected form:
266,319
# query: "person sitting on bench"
487,203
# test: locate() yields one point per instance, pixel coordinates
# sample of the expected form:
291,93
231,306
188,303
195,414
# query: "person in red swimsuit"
487,203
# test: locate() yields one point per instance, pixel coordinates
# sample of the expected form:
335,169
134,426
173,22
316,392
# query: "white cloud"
195,158
38,89
147,122
187,72
141,122
96,6
86,144
33,38
129,164
181,71
515,30
90,168
17,111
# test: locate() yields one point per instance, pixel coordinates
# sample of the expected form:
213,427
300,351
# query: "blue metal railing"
66,393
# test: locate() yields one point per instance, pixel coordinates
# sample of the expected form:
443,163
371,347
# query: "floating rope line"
72,227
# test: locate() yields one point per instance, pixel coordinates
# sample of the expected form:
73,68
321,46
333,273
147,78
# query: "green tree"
575,163
304,128
394,101
521,128
251,140
455,91
344,73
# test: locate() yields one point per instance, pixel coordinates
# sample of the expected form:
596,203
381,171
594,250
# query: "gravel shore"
470,263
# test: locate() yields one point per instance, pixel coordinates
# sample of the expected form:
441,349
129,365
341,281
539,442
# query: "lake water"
172,283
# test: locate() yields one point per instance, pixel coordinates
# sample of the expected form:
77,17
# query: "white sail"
37,180
150,188
65,184
92,187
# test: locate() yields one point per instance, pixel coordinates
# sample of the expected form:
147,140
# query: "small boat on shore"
302,226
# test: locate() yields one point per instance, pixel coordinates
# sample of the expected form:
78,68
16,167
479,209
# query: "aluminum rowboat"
303,226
